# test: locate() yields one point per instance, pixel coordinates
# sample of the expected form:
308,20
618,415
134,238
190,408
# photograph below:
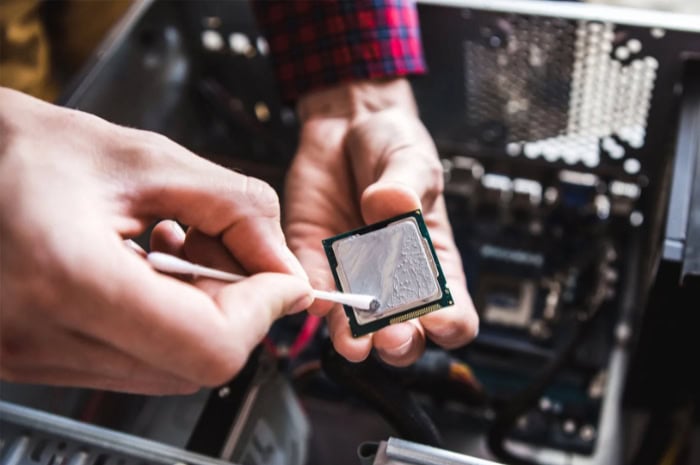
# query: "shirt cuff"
315,43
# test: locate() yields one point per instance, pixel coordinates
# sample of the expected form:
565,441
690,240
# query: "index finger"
242,210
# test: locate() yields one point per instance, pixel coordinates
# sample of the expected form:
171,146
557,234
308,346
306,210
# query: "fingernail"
302,304
179,232
401,350
293,263
134,247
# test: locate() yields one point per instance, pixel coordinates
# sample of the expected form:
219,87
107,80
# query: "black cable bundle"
381,389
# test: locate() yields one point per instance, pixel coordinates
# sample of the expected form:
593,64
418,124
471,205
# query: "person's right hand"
77,307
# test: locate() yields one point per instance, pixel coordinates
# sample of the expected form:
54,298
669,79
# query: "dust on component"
393,260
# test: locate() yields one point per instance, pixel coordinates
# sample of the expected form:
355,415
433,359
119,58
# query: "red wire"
270,346
92,407
305,336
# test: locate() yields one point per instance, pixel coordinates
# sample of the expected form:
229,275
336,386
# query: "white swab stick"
359,301
171,264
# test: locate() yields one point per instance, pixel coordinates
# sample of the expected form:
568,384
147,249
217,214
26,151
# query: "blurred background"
43,44
539,231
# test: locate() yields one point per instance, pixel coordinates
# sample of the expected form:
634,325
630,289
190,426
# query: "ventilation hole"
632,166
101,459
240,44
148,38
263,46
634,45
212,40
39,450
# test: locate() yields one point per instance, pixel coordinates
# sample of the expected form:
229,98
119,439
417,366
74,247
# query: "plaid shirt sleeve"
317,43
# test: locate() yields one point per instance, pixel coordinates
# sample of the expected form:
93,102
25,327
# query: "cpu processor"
394,261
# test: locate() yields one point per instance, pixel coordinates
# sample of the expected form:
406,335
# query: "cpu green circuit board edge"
395,261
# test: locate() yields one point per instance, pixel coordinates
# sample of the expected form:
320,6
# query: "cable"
381,389
441,376
305,336
301,342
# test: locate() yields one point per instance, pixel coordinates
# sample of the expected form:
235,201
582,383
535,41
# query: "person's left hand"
364,156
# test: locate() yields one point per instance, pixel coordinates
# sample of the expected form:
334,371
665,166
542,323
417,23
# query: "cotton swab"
358,301
171,264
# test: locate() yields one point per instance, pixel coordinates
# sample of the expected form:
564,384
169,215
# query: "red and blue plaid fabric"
316,43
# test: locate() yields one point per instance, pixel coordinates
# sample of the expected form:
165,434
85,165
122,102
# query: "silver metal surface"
683,173
89,440
392,263
399,452
107,48
673,250
271,428
581,11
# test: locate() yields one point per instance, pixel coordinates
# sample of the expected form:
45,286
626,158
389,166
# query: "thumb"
255,303
385,199
396,165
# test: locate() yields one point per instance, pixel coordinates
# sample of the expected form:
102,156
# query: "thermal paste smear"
389,263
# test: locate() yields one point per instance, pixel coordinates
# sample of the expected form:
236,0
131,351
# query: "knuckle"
261,195
146,150
10,135
15,356
435,175
149,146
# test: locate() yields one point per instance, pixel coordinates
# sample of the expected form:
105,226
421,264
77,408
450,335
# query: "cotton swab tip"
358,301
169,263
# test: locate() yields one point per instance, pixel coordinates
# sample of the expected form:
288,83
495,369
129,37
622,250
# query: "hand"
78,307
364,156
